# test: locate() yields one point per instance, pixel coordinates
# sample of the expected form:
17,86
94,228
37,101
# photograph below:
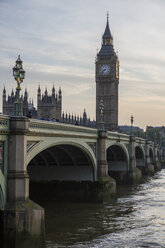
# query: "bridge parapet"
4,124
140,141
55,128
118,136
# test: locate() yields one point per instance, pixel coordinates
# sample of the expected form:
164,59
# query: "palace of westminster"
49,106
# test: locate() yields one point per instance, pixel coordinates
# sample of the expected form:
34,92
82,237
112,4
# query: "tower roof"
107,41
107,32
4,90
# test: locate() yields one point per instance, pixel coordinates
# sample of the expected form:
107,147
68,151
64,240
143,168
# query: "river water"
135,219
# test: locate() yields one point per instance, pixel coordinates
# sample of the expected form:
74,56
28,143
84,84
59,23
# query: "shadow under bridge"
117,159
59,171
140,159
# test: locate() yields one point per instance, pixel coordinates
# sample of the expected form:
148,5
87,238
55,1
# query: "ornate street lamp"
132,124
19,75
101,108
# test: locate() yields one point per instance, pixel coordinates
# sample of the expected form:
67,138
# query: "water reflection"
136,219
23,242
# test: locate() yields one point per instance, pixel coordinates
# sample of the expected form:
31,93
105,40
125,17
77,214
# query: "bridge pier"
21,217
157,164
107,184
134,174
149,170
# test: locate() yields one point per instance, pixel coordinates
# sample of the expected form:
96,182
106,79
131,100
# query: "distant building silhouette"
49,106
8,104
78,120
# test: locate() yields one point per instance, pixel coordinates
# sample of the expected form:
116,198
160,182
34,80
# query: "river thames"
135,219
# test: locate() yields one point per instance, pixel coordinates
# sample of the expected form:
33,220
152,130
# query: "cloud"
57,41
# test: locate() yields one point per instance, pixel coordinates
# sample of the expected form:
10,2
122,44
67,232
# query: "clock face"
105,69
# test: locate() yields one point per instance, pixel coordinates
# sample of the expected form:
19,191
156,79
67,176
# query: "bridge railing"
140,140
118,136
4,124
125,137
39,126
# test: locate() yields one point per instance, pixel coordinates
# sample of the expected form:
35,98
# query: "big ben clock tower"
107,80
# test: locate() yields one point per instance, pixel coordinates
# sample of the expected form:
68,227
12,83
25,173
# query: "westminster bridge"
41,151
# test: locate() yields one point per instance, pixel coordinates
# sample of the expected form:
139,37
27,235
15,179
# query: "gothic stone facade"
8,104
49,106
107,80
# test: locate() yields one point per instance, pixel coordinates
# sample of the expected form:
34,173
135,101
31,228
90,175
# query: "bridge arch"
118,162
140,157
1,199
62,160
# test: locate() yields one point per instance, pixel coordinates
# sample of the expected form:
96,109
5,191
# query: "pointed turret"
84,114
4,94
4,91
26,94
46,92
60,93
53,91
63,117
25,99
39,90
84,118
39,93
12,93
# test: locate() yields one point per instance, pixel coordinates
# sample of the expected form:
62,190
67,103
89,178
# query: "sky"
58,41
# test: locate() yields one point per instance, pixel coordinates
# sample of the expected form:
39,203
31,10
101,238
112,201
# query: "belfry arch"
1,199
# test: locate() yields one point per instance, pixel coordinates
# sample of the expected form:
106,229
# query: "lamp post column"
21,215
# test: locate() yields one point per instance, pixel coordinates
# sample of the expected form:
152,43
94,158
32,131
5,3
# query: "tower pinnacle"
107,16
107,37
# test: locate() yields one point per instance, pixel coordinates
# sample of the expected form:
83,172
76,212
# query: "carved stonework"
31,145
93,146
127,146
